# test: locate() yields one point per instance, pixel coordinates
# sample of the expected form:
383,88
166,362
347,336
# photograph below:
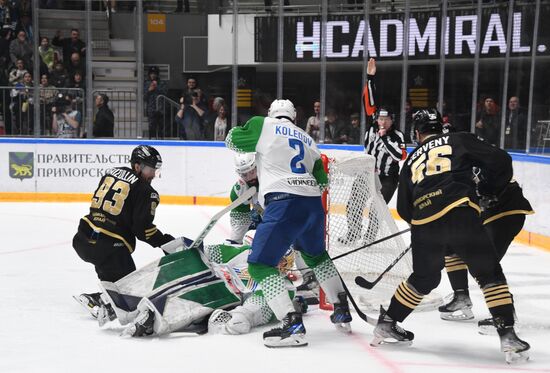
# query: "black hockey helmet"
147,155
427,121
384,111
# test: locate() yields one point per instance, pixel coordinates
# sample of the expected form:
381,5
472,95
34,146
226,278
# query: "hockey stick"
372,243
178,243
368,319
364,283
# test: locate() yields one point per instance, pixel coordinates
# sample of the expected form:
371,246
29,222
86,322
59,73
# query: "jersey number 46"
432,163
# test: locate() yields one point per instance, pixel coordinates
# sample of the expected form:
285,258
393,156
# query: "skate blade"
458,315
343,327
516,357
84,303
487,330
295,340
380,341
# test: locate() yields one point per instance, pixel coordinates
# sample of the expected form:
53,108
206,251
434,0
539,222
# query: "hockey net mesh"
357,215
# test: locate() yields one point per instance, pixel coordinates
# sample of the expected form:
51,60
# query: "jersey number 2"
120,193
295,165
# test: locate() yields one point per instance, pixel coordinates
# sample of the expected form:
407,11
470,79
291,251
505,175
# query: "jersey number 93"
114,204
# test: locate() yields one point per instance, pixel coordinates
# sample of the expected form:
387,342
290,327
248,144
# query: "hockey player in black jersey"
437,197
503,216
123,208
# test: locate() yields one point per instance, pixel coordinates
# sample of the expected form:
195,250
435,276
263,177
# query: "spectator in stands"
314,122
409,133
59,77
189,119
104,123
220,125
211,116
7,16
48,4
333,127
74,65
48,94
66,119
21,105
79,85
111,4
5,61
515,132
70,45
190,88
355,137
154,87
488,122
25,24
21,49
46,52
17,73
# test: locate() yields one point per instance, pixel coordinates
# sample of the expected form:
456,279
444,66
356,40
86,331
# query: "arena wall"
192,173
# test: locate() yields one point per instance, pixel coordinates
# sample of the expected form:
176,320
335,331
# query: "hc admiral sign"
345,35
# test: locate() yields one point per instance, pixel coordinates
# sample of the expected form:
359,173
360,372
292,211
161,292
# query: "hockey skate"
388,332
105,314
91,302
515,350
143,325
487,326
291,334
341,316
458,309
309,288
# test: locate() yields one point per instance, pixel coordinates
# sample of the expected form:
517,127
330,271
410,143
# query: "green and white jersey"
239,217
287,158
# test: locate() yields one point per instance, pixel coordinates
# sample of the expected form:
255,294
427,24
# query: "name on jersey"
123,174
291,132
299,182
444,140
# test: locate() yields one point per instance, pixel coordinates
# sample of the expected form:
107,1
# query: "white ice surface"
42,329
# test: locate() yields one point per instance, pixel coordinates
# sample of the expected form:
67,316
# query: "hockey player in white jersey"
290,175
248,215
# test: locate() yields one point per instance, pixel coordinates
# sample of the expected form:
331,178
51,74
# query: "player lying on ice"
179,291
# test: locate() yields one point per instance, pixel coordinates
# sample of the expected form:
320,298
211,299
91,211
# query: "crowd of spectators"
61,68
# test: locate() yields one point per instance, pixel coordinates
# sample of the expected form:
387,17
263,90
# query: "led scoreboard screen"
345,35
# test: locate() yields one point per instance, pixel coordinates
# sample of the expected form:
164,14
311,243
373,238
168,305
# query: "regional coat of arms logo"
21,165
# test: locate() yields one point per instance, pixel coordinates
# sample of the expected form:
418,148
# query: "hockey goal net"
356,215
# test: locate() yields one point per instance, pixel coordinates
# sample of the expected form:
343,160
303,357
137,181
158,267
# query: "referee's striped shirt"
387,150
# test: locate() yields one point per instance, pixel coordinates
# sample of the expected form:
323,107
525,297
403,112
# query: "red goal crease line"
524,237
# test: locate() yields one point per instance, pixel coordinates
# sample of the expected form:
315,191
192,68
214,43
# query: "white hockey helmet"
249,237
245,166
282,108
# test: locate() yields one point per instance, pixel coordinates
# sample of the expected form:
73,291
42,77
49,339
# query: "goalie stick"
364,283
177,244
